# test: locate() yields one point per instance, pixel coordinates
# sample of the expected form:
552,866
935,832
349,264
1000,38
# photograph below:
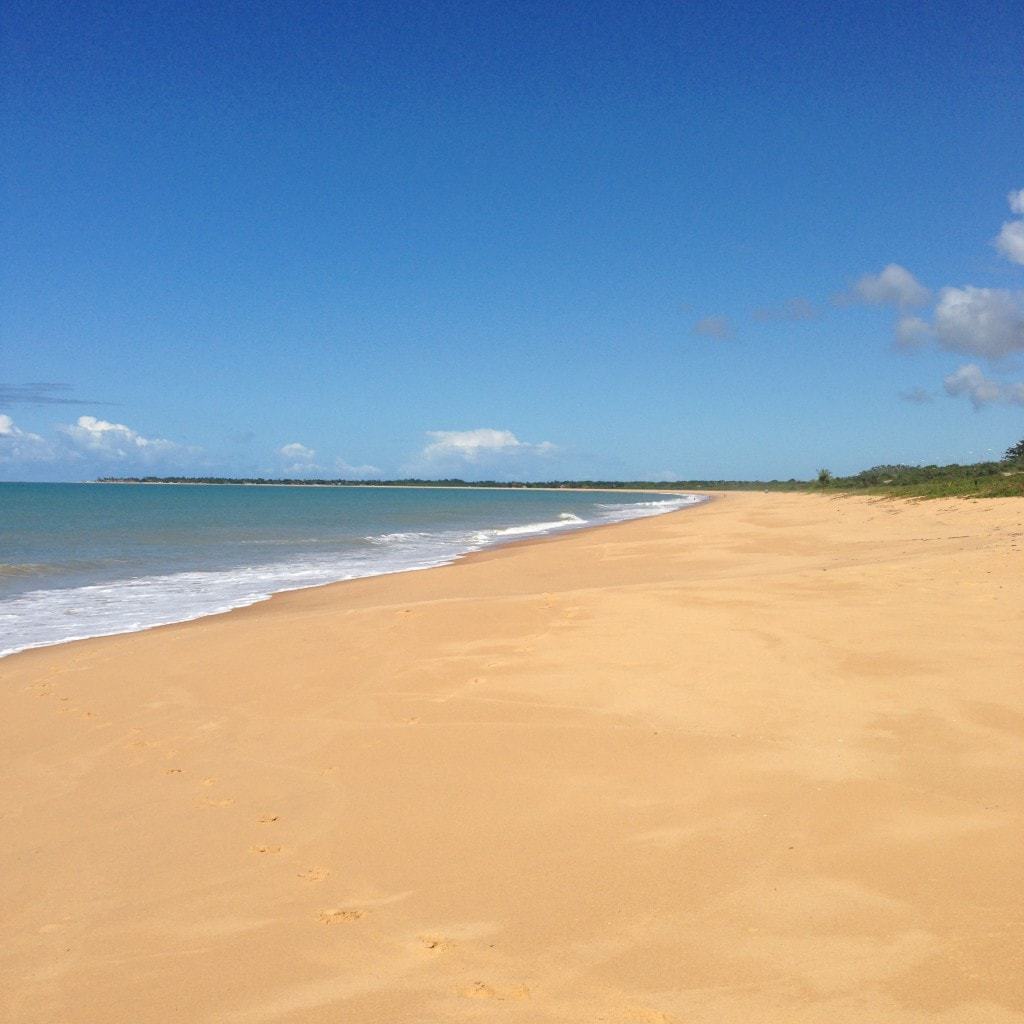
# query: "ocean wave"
565,520
40,618
397,538
641,509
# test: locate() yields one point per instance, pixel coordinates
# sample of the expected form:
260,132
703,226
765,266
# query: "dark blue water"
79,560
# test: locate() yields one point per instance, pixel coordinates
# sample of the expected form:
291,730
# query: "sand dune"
757,761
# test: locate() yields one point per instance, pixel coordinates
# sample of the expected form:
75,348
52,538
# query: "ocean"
84,560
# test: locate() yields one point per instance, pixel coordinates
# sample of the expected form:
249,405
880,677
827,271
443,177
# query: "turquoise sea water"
81,560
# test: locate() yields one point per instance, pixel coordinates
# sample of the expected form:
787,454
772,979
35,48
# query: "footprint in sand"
173,771
435,943
267,819
340,916
226,802
480,990
264,849
314,874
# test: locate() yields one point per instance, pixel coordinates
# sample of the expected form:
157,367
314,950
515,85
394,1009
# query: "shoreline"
761,763
553,534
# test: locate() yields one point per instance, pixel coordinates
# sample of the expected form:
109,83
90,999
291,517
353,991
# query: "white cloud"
348,470
717,327
17,445
972,383
298,457
297,452
982,321
912,332
7,427
114,439
1010,241
478,445
893,286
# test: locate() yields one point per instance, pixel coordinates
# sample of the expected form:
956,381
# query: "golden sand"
756,761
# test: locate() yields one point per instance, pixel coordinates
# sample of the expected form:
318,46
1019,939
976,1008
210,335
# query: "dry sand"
758,761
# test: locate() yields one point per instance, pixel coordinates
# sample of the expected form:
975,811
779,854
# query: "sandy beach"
760,760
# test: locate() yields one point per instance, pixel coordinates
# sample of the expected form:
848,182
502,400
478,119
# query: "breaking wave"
39,618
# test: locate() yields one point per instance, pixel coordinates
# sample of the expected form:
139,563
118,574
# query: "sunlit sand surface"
757,761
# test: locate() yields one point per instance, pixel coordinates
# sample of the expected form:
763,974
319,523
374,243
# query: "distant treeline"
1004,478
604,485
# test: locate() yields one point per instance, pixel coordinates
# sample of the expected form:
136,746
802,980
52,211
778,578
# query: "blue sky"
514,240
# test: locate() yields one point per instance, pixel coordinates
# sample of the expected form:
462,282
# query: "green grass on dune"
963,487
1003,479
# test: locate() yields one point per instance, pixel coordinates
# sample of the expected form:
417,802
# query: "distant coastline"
548,485
994,479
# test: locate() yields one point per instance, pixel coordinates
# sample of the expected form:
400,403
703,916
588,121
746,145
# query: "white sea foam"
40,618
564,521
640,509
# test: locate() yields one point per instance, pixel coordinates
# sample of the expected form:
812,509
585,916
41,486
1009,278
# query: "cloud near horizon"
348,470
482,444
114,440
100,441
17,445
298,458
969,381
301,458
87,437
297,451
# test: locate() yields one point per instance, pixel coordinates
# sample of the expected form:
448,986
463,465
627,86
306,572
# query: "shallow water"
82,560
